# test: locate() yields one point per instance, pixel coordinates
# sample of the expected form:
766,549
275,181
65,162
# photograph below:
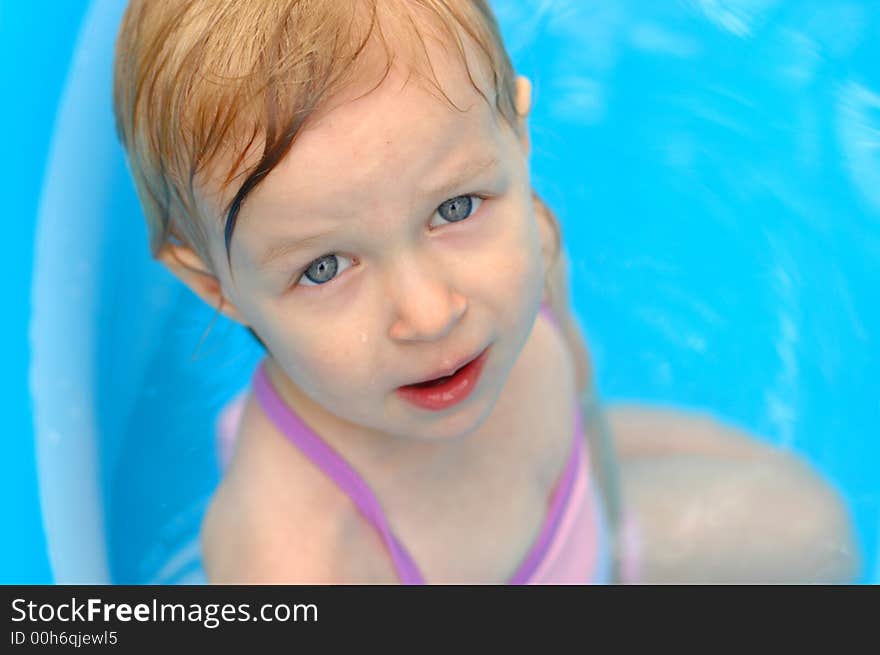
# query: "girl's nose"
426,308
428,317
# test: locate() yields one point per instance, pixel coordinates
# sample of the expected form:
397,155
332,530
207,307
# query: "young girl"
350,181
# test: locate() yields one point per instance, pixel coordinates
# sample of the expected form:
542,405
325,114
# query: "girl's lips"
448,391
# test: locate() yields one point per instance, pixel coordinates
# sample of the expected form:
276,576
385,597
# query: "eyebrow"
287,247
471,169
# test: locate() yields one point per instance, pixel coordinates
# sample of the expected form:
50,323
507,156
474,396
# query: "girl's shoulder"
274,518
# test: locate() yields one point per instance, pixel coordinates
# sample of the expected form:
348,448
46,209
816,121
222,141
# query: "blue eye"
458,208
322,270
327,267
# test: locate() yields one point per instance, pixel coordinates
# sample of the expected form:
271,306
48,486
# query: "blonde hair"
196,81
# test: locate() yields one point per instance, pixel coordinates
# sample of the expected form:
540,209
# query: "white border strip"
64,305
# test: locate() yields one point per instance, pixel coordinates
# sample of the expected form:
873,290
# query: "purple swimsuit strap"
334,465
549,315
559,500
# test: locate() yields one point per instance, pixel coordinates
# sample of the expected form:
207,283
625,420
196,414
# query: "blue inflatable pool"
716,168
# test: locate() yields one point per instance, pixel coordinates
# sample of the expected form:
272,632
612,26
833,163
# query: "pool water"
715,166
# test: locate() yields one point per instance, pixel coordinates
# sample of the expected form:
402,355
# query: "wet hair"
202,83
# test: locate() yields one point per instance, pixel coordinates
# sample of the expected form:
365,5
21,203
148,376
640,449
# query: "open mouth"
437,381
445,391
434,382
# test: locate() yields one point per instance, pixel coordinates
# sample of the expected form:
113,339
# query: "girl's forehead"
405,105
396,107
404,118
397,139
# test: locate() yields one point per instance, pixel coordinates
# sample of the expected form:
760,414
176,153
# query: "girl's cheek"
526,269
340,358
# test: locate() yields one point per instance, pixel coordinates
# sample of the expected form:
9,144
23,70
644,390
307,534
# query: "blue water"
716,169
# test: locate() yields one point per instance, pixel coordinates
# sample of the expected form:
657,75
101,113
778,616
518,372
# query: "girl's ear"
186,265
523,103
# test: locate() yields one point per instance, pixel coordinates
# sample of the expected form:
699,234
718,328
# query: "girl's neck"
375,454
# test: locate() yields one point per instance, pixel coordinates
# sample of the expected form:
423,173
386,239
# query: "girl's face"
360,277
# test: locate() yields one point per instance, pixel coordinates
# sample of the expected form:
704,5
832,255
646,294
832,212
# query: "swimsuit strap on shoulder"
548,313
337,469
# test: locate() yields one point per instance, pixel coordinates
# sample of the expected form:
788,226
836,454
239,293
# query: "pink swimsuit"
572,546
